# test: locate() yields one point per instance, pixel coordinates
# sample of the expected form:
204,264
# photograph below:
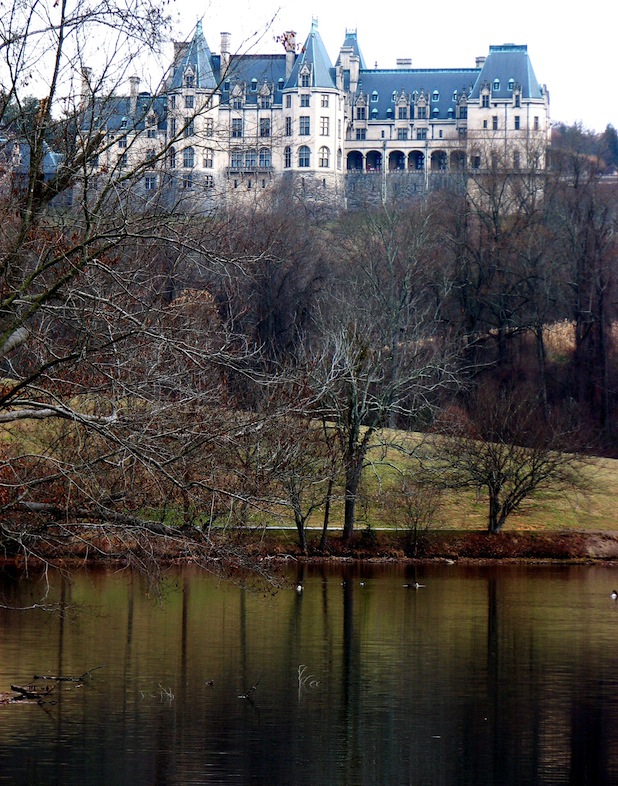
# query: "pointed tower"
192,66
313,67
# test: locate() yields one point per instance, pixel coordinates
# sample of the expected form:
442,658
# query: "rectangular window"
304,125
287,157
463,112
187,181
173,127
264,126
304,99
361,113
324,126
421,112
484,123
237,128
122,159
403,113
421,133
265,102
151,133
485,101
209,181
516,122
189,128
150,182
517,100
173,102
208,126
237,103
288,126
189,102
208,158
305,80
361,133
536,123
237,159
288,101
324,100
494,122
402,133
122,142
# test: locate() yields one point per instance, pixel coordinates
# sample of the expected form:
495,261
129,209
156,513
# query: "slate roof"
114,113
439,86
195,54
314,54
247,68
506,62
351,42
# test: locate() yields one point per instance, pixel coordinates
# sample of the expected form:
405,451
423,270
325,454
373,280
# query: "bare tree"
508,451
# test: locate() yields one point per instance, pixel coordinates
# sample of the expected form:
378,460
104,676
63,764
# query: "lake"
484,675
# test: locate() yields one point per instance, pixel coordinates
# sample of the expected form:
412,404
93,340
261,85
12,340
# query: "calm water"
484,676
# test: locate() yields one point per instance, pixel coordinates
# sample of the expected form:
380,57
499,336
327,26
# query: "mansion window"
122,159
517,100
374,96
324,100
150,182
208,158
324,126
264,126
288,126
173,102
209,181
151,133
288,101
516,159
304,156
237,128
122,142
189,128
421,113
323,157
189,80
187,181
361,113
536,123
305,125
237,159
305,80
402,133
402,113
287,157
421,133
494,122
151,155
237,103
265,102
435,96
250,159
485,101
496,85
173,127
305,99
361,134
172,158
188,158
463,112
265,157
209,126
189,102
517,121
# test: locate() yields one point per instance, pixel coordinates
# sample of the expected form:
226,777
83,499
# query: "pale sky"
572,47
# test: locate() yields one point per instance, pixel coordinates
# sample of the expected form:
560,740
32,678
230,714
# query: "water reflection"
484,675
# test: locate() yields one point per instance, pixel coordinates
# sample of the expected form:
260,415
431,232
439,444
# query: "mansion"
225,125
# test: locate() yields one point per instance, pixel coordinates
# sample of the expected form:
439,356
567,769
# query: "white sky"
572,47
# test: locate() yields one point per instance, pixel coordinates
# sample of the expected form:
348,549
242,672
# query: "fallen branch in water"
81,678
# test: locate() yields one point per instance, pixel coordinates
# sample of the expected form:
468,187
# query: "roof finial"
314,23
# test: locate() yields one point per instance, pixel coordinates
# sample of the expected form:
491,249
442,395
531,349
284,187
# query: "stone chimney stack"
225,51
289,44
480,61
86,88
134,82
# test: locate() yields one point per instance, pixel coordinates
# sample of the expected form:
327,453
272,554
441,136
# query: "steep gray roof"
253,71
440,86
508,62
351,42
194,55
314,54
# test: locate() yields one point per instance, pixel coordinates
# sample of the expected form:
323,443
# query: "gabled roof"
351,42
252,71
314,55
508,63
195,56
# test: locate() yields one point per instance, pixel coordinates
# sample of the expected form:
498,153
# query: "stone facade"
228,127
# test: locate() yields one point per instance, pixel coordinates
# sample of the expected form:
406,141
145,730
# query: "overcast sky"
572,48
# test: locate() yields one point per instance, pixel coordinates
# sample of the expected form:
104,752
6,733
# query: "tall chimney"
86,89
289,44
134,82
225,52
480,61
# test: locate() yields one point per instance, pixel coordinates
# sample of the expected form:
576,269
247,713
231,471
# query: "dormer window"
374,96
511,84
189,79
496,85
305,76
435,96
280,84
123,122
374,113
394,96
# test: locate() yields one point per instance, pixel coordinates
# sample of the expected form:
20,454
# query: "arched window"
339,158
374,96
250,159
435,96
511,84
496,85
324,157
304,156
188,158
254,84
287,157
265,157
